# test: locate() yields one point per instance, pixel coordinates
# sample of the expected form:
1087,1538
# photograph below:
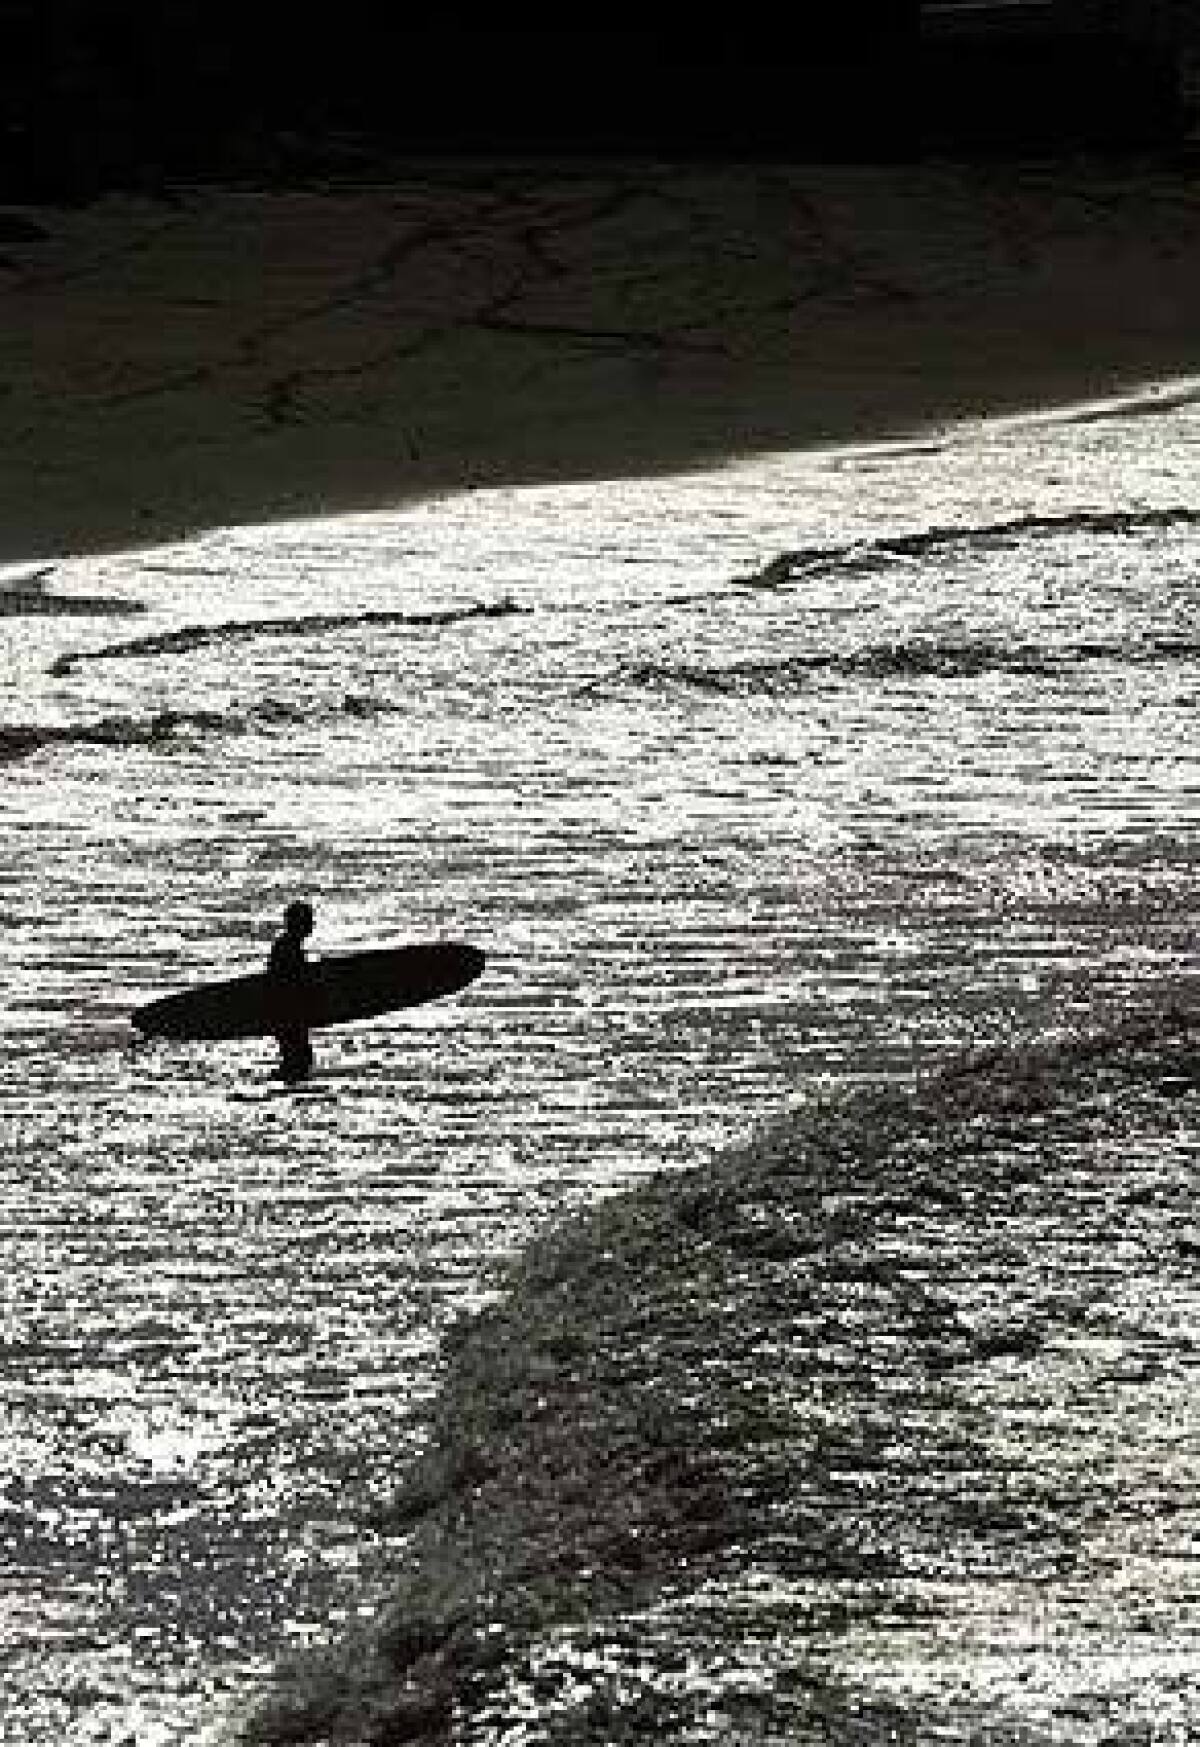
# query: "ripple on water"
701,902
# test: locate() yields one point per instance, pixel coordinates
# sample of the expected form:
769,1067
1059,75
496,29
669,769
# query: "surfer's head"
298,919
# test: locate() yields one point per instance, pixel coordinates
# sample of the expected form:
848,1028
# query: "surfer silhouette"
289,975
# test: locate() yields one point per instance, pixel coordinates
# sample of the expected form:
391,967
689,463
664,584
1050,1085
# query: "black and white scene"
599,857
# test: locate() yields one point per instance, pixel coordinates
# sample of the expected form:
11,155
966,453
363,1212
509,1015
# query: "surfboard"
340,989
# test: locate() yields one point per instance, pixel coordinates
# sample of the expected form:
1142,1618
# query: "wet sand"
245,356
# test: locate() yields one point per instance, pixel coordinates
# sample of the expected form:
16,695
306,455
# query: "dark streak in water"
22,740
189,637
26,597
791,567
934,659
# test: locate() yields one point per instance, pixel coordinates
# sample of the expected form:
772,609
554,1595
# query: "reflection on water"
723,845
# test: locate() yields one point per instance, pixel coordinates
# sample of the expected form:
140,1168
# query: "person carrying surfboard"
289,972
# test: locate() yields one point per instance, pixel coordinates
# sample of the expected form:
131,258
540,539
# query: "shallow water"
942,1351
731,830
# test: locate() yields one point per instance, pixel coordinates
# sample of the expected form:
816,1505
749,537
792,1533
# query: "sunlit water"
728,834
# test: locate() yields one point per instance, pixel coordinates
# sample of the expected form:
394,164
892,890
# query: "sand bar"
240,356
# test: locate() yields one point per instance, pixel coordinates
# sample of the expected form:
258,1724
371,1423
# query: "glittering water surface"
808,771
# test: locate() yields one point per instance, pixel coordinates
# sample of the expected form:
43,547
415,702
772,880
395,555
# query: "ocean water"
767,789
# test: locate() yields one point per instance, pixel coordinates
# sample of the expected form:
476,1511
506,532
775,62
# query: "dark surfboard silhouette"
338,990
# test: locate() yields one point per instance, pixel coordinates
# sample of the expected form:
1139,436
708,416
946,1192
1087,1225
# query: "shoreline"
243,358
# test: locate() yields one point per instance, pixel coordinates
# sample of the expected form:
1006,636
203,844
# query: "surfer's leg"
295,1056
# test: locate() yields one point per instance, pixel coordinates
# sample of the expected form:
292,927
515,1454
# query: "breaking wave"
27,596
189,637
933,659
793,566
170,727
22,739
717,1416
